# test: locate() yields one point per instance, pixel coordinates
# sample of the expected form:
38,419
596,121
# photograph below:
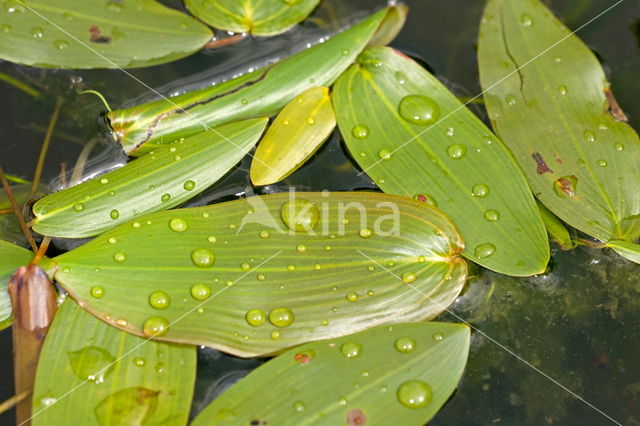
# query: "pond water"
540,341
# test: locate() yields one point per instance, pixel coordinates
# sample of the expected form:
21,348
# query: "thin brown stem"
43,151
13,401
6,211
42,250
18,212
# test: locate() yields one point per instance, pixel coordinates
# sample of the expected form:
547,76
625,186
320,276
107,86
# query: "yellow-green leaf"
92,374
555,228
258,17
295,135
626,249
390,375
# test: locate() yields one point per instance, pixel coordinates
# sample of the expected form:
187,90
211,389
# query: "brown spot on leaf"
613,107
356,417
96,36
304,357
542,167
566,186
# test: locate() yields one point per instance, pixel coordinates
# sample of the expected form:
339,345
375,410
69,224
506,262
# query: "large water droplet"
351,349
405,344
200,291
480,190
360,131
414,394
165,197
91,363
159,300
409,277
97,291
129,406
456,151
202,257
155,326
418,109
114,214
255,317
281,317
491,215
485,250
189,185
300,215
120,257
178,225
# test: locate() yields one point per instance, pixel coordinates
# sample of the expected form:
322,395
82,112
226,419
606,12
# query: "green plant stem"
19,85
43,151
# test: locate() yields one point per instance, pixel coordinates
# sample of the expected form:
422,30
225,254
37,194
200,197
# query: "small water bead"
360,132
245,101
366,233
414,394
139,362
245,266
229,283
401,78
155,326
37,32
345,52
526,20
165,197
78,207
291,268
200,310
12,6
371,268
317,266
159,300
120,257
114,6
491,215
202,257
384,154
114,214
189,185
177,225
589,136
352,297
281,317
450,131
351,349
122,322
342,401
91,363
112,240
456,151
261,277
371,293
405,344
311,121
437,337
300,215
480,190
510,100
200,292
602,163
409,277
419,109
275,335
301,248
485,250
618,146
160,367
265,234
562,89
97,292
111,193
298,406
255,317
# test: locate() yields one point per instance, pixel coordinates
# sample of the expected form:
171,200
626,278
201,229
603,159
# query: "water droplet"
351,349
385,154
160,367
212,239
510,100
139,362
114,6
456,151
437,337
602,163
409,277
589,136
311,121
366,233
418,109
165,198
301,248
13,6
202,257
618,146
371,293
178,225
360,131
155,326
401,78
120,257
345,52
566,186
114,214
491,215
342,401
255,317
97,291
298,406
526,20
245,101
480,190
352,297
275,335
261,277
300,215
281,317
200,291
159,300
562,89
414,394
450,131
37,32
78,207
61,44
91,363
112,240
485,250
405,344
189,185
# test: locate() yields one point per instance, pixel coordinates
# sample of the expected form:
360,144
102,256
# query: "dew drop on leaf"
300,215
202,257
419,109
414,394
159,300
360,131
405,344
91,363
351,349
155,326
485,250
281,317
178,225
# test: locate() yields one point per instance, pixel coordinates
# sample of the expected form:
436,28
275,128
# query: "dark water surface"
575,328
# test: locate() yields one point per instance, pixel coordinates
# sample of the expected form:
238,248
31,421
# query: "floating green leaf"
295,135
550,101
263,92
414,138
626,249
158,181
399,374
11,258
92,374
390,26
96,33
258,275
258,17
555,228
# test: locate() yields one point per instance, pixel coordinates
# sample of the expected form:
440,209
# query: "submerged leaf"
93,374
388,375
261,17
414,138
96,33
263,92
11,258
295,135
549,100
158,181
626,249
258,275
